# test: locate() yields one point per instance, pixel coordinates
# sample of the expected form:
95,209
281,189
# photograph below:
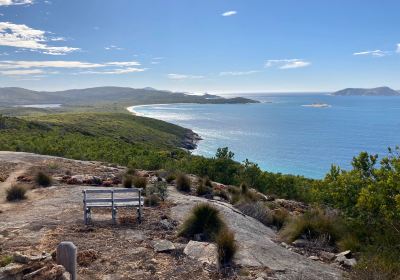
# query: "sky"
215,46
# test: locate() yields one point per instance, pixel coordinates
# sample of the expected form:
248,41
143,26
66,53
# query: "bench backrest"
111,195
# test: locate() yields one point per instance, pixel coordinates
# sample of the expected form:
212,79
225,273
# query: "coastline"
190,139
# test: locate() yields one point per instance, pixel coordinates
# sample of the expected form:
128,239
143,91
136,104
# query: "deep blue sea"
283,136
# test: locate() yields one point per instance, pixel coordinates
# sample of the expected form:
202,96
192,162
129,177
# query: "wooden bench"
113,198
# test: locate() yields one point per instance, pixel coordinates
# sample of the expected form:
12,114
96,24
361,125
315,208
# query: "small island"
317,105
379,91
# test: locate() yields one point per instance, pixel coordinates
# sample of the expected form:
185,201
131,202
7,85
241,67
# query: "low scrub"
203,188
42,179
222,194
226,247
128,181
6,260
139,182
152,200
258,211
314,224
15,193
183,183
376,268
244,188
170,178
203,220
279,217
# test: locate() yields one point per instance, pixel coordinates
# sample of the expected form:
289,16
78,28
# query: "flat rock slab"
202,251
163,246
255,241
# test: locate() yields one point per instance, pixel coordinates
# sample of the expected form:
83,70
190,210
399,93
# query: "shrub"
207,182
258,211
222,193
314,224
6,260
205,220
127,182
183,183
16,192
226,247
279,217
131,171
203,187
170,178
159,188
349,242
139,182
42,179
152,200
244,188
376,267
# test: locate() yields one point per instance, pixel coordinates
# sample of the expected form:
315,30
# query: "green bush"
42,179
6,260
226,247
314,224
159,188
170,178
15,193
128,181
139,182
183,183
205,220
152,200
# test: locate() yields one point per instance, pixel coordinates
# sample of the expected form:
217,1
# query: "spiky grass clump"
204,220
280,217
139,182
42,179
244,188
183,183
16,193
128,181
226,247
204,187
258,211
314,224
6,260
152,200
170,178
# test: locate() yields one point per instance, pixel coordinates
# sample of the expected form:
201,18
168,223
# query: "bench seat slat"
118,204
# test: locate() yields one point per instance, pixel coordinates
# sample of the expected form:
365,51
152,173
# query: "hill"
12,96
379,91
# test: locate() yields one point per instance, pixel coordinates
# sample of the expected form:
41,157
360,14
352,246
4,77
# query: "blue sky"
216,46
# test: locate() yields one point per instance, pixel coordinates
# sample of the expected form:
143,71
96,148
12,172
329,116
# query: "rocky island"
379,91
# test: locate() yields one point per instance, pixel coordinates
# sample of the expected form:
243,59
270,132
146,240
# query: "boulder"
12,269
300,243
25,259
328,256
314,258
163,246
165,224
345,261
202,251
346,254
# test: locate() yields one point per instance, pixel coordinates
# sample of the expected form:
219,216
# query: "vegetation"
15,193
183,183
6,260
139,182
42,179
204,187
152,200
226,247
128,181
204,220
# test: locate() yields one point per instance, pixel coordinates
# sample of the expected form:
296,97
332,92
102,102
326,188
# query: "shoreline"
190,139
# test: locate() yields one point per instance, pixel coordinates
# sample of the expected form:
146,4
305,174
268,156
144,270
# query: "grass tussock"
152,200
127,181
16,193
6,260
258,211
183,183
204,187
170,178
139,182
42,179
314,224
377,268
203,220
226,247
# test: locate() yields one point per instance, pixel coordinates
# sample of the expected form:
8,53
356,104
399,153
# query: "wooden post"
66,256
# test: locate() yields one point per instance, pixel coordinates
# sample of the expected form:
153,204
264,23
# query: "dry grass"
16,193
183,183
226,247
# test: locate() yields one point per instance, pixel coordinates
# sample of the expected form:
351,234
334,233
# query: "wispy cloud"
287,63
113,47
21,67
21,72
375,53
174,76
229,13
23,37
238,73
15,2
398,48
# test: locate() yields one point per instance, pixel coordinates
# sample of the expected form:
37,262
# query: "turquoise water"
284,136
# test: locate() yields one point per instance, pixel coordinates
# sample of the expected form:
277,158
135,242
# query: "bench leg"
86,215
114,215
139,214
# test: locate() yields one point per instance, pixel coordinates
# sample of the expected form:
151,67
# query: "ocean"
282,135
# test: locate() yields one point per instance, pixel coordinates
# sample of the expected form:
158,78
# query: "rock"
163,246
346,254
202,251
217,198
165,224
12,269
300,243
285,245
65,276
35,274
350,262
327,256
314,258
179,246
20,258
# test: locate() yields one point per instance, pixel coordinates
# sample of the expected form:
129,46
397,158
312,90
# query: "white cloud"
15,2
376,53
113,47
398,48
21,72
287,63
238,73
229,13
24,37
174,76
8,67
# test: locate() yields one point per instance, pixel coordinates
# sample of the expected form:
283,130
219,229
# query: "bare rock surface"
256,245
